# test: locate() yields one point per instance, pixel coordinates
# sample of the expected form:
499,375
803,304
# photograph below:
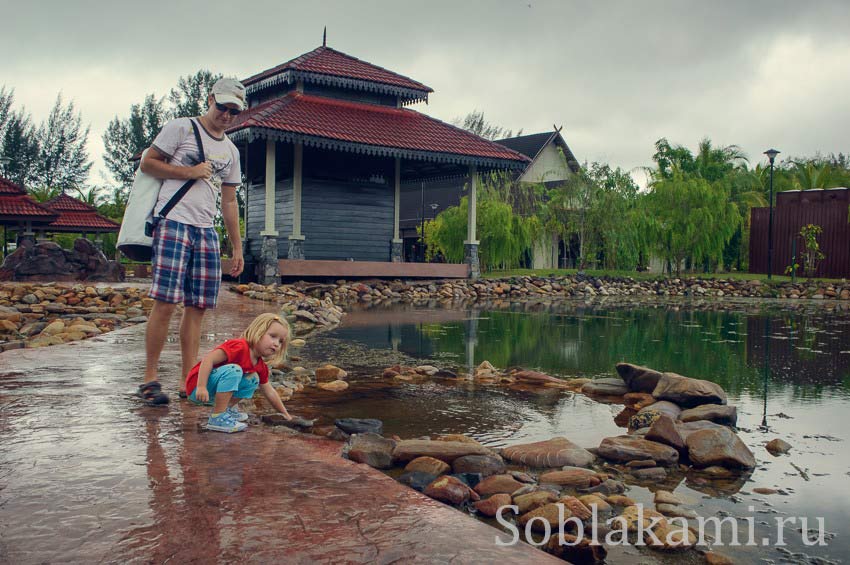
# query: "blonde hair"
258,328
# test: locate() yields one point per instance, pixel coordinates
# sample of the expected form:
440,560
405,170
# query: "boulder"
688,392
371,449
485,465
574,550
663,407
719,447
638,400
417,480
637,378
777,446
608,386
717,413
328,373
555,452
532,500
490,506
536,378
623,449
360,425
575,477
651,474
447,451
591,500
664,430
552,513
333,386
427,465
497,484
576,507
685,429
448,489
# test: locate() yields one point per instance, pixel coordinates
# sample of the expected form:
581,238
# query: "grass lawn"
641,276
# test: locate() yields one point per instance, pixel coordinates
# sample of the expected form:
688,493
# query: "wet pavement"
89,474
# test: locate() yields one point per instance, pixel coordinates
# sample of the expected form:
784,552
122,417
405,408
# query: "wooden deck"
379,269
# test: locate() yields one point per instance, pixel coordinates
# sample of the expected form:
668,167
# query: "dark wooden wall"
793,210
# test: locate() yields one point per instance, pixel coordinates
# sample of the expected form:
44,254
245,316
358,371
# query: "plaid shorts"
186,264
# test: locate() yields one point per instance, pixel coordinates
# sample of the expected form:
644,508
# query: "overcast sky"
616,75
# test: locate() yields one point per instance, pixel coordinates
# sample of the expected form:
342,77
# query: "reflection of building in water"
802,350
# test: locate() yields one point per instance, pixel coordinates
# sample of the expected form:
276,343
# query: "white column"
270,190
298,162
473,206
397,200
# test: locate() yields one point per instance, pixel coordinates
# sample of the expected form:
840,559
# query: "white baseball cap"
229,91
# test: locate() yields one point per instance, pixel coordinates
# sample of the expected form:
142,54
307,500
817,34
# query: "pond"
787,371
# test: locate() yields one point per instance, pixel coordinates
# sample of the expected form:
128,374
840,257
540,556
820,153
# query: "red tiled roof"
65,203
8,187
369,124
75,215
22,207
327,61
83,221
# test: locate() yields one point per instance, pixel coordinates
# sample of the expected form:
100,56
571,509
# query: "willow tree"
689,217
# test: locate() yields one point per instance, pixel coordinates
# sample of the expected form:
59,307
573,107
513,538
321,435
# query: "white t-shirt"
177,142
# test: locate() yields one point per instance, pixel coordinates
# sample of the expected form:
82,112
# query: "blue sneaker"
237,414
224,422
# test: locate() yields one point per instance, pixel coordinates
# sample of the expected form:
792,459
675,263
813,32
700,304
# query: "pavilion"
20,212
76,216
326,143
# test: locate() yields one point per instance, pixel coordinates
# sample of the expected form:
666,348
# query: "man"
186,259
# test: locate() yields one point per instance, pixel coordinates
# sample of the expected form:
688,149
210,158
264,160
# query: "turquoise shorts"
229,378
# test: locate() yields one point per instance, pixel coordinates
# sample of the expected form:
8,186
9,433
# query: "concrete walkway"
89,474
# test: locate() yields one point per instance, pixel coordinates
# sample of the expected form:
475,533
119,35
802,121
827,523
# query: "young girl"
235,369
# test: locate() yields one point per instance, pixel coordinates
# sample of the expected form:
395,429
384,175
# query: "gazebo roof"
77,216
324,65
17,206
371,129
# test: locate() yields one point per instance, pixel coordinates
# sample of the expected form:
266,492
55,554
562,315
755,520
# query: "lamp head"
771,154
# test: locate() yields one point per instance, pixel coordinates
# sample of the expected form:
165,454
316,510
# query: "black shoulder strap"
188,184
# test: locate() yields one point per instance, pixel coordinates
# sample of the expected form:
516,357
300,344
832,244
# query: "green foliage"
689,217
124,138
190,96
18,141
812,255
474,122
63,160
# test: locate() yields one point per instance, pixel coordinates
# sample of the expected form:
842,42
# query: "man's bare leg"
155,336
190,340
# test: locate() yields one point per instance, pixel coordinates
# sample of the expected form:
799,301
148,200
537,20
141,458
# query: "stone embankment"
37,315
582,287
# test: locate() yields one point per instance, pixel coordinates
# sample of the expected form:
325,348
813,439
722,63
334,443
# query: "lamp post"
434,207
771,155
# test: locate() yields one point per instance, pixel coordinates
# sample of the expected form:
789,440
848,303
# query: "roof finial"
325,37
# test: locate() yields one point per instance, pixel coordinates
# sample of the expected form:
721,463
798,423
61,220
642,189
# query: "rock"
448,489
664,430
537,378
417,480
607,487
447,451
620,500
637,378
641,464
676,511
427,465
297,342
490,506
625,416
576,507
360,425
552,513
717,413
555,452
672,537
333,386
523,477
719,447
663,407
29,299
591,500
496,484
53,328
295,423
763,490
328,373
458,437
638,400
337,434
575,477
651,474
469,479
7,326
634,515
427,370
688,392
486,465
527,502
371,449
666,497
778,447
574,550
685,429
714,558
623,449
605,387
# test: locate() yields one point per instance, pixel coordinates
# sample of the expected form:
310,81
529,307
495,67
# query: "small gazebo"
76,216
20,212
327,142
